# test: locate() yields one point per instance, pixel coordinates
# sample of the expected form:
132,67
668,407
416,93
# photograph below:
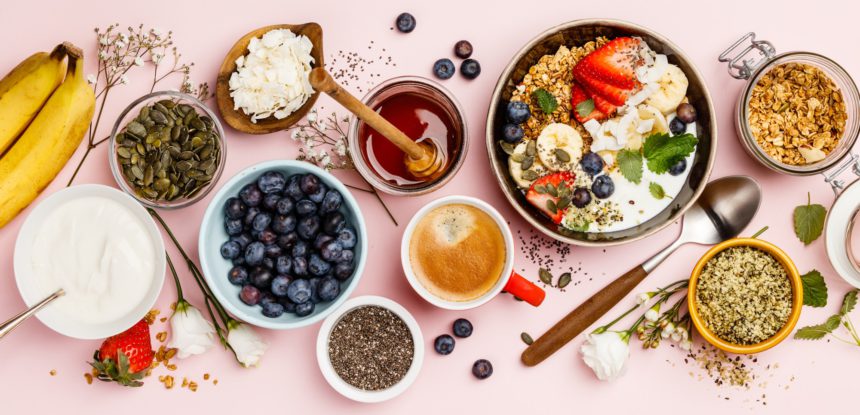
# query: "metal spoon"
723,210
13,322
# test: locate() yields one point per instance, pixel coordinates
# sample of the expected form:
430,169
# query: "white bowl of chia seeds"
370,349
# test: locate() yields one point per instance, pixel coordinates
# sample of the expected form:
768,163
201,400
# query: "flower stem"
379,198
179,297
602,329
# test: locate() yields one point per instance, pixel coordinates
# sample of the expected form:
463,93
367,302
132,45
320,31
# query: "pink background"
824,373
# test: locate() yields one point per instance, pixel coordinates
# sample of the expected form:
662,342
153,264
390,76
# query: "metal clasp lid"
741,67
838,184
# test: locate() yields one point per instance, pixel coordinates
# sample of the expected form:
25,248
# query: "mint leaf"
584,108
848,302
814,289
662,151
656,191
820,330
545,100
581,227
630,165
809,221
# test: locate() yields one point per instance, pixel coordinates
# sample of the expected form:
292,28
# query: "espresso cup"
461,206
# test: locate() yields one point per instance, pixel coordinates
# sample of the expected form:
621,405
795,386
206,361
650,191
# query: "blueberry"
283,265
581,197
239,261
318,196
299,291
306,207
444,344
518,112
280,285
310,184
234,208
243,239
284,205
405,22
686,112
300,249
267,236
271,200
470,69
443,68
334,223
346,256
512,133
482,369
347,237
293,190
273,251
238,276
328,289
261,278
261,221
320,240
462,327
273,310
305,309
463,49
271,182
288,240
343,270
315,283
230,249
250,295
251,194
284,224
318,266
602,187
289,306
233,226
267,298
268,263
678,168
250,215
331,250
592,163
676,126
308,227
300,266
331,202
254,253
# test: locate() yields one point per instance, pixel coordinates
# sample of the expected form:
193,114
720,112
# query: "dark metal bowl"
579,32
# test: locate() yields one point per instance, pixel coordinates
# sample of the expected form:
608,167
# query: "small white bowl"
340,385
25,279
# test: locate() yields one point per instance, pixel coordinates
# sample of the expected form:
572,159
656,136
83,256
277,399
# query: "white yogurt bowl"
352,392
28,281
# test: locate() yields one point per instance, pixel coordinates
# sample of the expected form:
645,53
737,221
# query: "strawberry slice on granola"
551,194
584,110
610,71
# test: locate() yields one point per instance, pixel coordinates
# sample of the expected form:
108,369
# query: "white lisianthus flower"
605,353
653,313
190,332
685,344
642,298
246,343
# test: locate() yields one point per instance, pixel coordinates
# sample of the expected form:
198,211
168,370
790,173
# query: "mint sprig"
545,101
630,165
662,151
814,289
809,221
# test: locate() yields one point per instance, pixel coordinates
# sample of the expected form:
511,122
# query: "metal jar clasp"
742,66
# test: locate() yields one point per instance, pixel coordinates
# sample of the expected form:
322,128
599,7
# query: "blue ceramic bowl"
215,268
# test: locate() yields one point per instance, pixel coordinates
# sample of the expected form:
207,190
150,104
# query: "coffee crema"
457,252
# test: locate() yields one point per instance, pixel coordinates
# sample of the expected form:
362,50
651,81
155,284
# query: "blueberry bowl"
289,268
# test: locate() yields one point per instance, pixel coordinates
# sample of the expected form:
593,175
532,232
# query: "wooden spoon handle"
582,317
323,82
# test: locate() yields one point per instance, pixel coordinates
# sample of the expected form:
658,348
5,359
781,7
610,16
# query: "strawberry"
124,358
613,94
578,96
602,104
551,194
614,63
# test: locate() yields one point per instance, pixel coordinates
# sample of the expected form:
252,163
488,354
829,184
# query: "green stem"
760,231
602,329
179,297
851,330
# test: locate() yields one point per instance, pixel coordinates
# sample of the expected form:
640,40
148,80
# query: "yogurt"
99,253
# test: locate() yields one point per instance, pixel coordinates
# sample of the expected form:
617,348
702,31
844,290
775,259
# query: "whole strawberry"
124,358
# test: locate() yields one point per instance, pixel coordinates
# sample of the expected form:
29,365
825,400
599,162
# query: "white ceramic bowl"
348,390
24,252
215,267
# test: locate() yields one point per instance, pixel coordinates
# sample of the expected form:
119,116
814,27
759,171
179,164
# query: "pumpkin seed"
526,338
137,129
550,206
527,163
564,280
123,152
529,175
545,276
518,157
562,155
508,148
531,148
540,189
563,202
551,190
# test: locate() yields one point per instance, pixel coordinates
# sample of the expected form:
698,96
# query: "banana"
516,167
48,142
25,89
559,146
672,90
636,126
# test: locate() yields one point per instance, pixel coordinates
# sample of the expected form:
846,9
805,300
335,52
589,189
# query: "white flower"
190,332
642,298
103,40
340,148
138,61
312,116
91,79
652,314
123,37
123,79
156,57
295,135
670,328
157,32
246,343
685,345
664,334
676,336
605,353
119,44
102,55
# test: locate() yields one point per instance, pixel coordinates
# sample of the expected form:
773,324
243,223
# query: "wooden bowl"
235,117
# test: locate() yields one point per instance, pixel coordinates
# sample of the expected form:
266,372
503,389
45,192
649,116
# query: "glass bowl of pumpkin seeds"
167,150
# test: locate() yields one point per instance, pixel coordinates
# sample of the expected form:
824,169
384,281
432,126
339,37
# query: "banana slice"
516,167
672,90
559,146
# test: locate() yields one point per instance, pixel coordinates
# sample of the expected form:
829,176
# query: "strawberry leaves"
809,221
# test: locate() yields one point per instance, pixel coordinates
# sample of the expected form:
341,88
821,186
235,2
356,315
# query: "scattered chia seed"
349,68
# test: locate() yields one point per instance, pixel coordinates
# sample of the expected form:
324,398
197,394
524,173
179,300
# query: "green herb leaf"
848,302
820,330
585,108
809,221
814,289
545,101
630,165
656,190
581,227
662,151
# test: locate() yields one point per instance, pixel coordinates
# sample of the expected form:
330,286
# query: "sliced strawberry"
578,96
614,63
601,103
544,194
611,93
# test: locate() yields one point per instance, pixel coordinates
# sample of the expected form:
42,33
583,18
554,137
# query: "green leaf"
545,101
662,151
656,191
581,227
809,221
814,289
584,108
630,165
820,330
848,302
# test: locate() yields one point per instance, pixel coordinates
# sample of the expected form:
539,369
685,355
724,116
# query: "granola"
797,114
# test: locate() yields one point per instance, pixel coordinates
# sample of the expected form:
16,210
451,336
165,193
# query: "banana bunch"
44,118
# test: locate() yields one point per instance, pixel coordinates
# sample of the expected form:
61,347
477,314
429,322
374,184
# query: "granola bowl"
685,188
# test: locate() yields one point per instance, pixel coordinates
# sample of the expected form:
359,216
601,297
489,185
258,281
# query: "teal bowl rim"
214,211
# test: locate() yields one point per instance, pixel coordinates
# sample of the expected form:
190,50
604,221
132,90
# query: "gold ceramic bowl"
796,304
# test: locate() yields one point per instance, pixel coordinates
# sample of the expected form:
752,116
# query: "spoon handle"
13,322
582,317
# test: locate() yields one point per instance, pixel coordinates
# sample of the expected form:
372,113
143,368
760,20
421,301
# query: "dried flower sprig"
118,52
